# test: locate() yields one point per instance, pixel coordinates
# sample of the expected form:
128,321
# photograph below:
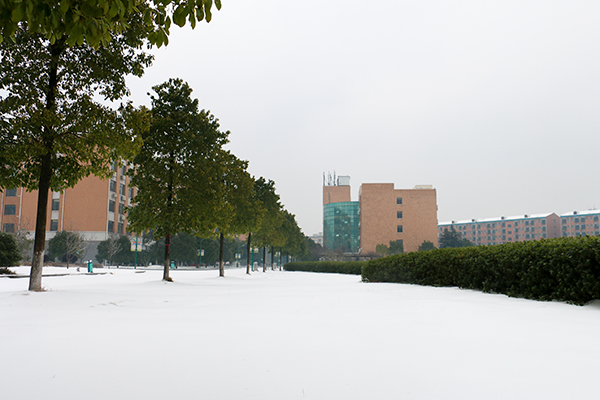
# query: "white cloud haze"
494,103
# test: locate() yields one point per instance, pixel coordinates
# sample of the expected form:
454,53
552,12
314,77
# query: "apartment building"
94,207
506,229
580,223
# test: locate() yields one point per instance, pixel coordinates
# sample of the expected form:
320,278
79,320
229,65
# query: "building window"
111,206
120,228
55,204
399,228
113,186
123,170
10,209
398,214
9,228
13,193
131,193
122,189
543,222
111,226
121,205
576,227
595,218
398,200
54,225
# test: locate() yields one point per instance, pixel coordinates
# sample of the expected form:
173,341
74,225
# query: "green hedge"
335,267
565,269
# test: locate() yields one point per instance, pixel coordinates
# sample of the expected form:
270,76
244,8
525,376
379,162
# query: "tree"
117,248
23,242
451,238
59,57
294,238
382,249
67,246
426,245
267,231
237,208
9,251
178,180
395,247
44,141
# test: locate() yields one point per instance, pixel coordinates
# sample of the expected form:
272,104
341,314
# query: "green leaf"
179,15
64,6
17,14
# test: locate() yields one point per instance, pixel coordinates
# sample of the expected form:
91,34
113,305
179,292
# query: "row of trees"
187,182
185,250
57,59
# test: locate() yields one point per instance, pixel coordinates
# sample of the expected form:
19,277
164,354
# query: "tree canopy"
9,251
66,246
452,238
426,245
94,21
178,172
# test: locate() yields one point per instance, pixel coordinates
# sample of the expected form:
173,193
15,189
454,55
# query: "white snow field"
124,334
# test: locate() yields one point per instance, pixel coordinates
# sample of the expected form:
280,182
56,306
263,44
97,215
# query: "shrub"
9,250
565,269
334,267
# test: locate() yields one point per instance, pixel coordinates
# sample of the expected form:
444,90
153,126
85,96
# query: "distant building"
389,214
93,207
506,229
382,214
527,227
580,223
317,238
340,217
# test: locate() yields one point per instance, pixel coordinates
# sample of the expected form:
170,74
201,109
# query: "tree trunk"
248,249
166,276
39,245
221,268
37,262
265,259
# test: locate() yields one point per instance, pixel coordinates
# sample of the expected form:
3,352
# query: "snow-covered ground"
125,334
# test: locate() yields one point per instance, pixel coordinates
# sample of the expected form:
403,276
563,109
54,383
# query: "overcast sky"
495,104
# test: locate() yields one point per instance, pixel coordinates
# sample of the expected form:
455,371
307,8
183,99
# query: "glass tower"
341,226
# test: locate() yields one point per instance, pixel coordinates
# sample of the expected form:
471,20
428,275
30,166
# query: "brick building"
526,227
94,208
381,215
580,223
506,229
389,214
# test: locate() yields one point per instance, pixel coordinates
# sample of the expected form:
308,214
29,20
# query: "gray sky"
495,104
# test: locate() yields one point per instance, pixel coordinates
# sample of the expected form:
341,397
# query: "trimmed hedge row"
564,269
334,267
